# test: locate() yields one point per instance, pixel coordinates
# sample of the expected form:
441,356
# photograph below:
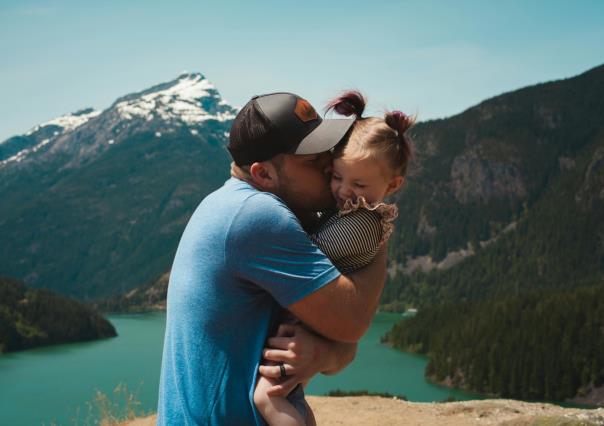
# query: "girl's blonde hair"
373,137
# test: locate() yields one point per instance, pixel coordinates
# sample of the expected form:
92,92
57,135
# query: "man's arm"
273,252
338,356
342,309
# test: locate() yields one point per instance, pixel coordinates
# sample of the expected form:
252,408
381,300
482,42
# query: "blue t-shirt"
242,257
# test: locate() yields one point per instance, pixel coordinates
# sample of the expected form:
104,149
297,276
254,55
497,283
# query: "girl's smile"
369,178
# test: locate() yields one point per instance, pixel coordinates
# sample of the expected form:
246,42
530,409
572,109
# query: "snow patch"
180,101
33,130
194,132
111,142
158,134
140,108
18,157
69,122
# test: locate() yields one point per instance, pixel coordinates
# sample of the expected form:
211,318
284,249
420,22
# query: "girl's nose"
345,192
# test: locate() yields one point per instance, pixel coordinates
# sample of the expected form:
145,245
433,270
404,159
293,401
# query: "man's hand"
300,352
303,354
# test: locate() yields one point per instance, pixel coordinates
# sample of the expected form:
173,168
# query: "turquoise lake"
56,385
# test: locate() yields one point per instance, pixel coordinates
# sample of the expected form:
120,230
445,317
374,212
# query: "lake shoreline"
588,399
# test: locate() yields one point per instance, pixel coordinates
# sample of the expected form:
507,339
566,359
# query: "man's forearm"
343,309
340,354
369,283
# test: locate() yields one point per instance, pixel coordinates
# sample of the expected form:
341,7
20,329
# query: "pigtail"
401,122
348,103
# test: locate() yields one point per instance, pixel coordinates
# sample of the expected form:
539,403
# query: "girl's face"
368,178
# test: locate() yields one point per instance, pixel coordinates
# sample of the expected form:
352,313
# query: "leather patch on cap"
304,111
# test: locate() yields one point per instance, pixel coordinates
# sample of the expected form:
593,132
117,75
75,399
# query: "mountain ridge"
477,174
115,123
97,191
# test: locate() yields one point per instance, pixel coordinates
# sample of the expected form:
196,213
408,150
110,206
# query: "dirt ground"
370,410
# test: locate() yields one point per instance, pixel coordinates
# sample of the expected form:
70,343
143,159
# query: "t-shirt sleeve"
267,246
351,241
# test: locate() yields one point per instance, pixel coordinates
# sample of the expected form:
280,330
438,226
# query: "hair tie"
398,121
348,103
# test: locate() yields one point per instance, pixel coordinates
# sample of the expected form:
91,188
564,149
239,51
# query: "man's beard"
301,203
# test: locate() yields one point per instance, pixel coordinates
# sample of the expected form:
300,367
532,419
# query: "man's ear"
395,183
264,176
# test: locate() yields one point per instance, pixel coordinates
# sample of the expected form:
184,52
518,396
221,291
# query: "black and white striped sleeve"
350,241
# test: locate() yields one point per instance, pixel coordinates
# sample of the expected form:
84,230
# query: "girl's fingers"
286,330
274,371
284,388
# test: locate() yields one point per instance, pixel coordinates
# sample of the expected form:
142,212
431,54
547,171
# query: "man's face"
304,182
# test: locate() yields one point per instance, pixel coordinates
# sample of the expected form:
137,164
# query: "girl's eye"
336,177
359,185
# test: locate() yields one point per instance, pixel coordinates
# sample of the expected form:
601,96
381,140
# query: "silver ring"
282,370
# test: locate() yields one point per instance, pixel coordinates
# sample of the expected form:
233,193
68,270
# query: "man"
244,256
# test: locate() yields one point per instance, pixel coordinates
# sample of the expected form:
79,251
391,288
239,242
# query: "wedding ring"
282,369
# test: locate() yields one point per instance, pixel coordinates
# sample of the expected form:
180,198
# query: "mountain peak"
189,98
190,75
188,101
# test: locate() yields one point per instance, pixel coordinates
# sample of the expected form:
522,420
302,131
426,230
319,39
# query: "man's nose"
326,160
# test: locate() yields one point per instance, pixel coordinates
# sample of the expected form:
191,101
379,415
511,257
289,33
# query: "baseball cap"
282,123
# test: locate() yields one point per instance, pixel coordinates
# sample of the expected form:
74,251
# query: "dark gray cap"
282,123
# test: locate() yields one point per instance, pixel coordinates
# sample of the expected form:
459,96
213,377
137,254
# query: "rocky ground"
370,410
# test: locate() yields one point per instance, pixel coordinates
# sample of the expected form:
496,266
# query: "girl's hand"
301,352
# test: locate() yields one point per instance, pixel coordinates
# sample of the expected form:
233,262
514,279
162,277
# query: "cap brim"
324,137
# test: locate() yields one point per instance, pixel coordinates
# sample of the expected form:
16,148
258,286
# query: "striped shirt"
352,238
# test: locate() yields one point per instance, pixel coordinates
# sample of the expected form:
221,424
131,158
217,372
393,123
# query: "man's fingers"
286,330
284,388
278,355
274,371
279,342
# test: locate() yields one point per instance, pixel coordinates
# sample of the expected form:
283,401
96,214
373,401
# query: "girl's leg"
276,410
310,416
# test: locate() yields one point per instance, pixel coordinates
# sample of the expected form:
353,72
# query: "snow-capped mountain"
94,202
189,101
17,148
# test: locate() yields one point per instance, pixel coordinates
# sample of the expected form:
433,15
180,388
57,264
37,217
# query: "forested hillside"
479,171
147,297
95,202
509,249
556,244
31,318
535,346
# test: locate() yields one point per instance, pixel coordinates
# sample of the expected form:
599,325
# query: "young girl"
370,164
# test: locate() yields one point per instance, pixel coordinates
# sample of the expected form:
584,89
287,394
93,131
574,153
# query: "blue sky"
434,58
